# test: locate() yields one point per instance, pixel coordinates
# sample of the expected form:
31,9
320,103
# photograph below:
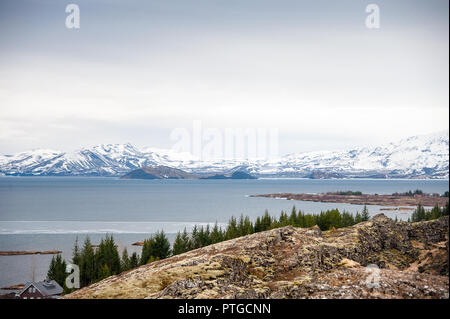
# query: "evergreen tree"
283,220
293,218
365,214
161,246
179,245
248,226
203,236
76,253
146,250
134,260
446,209
187,240
87,263
419,214
436,212
156,247
232,229
104,272
347,219
258,225
266,221
125,262
57,270
358,218
308,220
107,254
216,234
196,242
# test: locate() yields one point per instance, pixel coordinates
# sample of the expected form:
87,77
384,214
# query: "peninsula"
358,198
29,252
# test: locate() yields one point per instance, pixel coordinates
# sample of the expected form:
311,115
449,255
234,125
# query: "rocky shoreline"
29,252
380,258
13,287
364,199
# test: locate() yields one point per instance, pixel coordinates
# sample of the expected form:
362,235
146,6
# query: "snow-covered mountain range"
425,156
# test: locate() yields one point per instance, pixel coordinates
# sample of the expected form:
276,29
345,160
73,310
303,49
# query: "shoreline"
364,199
29,252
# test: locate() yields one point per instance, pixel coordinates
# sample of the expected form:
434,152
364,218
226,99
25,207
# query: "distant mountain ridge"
425,156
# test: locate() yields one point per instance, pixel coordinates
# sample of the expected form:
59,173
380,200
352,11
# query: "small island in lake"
358,198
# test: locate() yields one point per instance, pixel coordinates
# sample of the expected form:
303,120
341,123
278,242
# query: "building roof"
46,288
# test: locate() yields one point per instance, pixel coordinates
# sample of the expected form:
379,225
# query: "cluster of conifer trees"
204,236
421,214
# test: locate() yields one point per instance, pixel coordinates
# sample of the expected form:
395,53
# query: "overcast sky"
136,70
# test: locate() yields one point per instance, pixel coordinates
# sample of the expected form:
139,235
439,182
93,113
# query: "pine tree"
204,236
365,214
266,221
146,250
156,247
162,246
76,253
104,272
436,212
187,240
248,226
107,254
446,209
258,225
293,217
87,263
196,243
216,234
134,260
347,219
418,214
57,270
240,226
125,262
283,220
179,246
358,218
232,229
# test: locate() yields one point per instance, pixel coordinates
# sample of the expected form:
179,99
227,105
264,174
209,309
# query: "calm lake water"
40,213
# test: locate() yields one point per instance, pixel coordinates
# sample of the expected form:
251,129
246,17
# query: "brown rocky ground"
293,262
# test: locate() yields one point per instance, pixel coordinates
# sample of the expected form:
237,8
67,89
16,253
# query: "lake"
43,213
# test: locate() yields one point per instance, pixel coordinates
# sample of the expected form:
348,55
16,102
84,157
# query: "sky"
135,71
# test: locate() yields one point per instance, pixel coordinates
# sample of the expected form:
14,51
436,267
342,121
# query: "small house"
40,290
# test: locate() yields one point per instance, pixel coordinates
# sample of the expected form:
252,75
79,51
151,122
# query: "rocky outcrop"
411,262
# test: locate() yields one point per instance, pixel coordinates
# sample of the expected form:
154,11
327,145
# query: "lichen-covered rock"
293,262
